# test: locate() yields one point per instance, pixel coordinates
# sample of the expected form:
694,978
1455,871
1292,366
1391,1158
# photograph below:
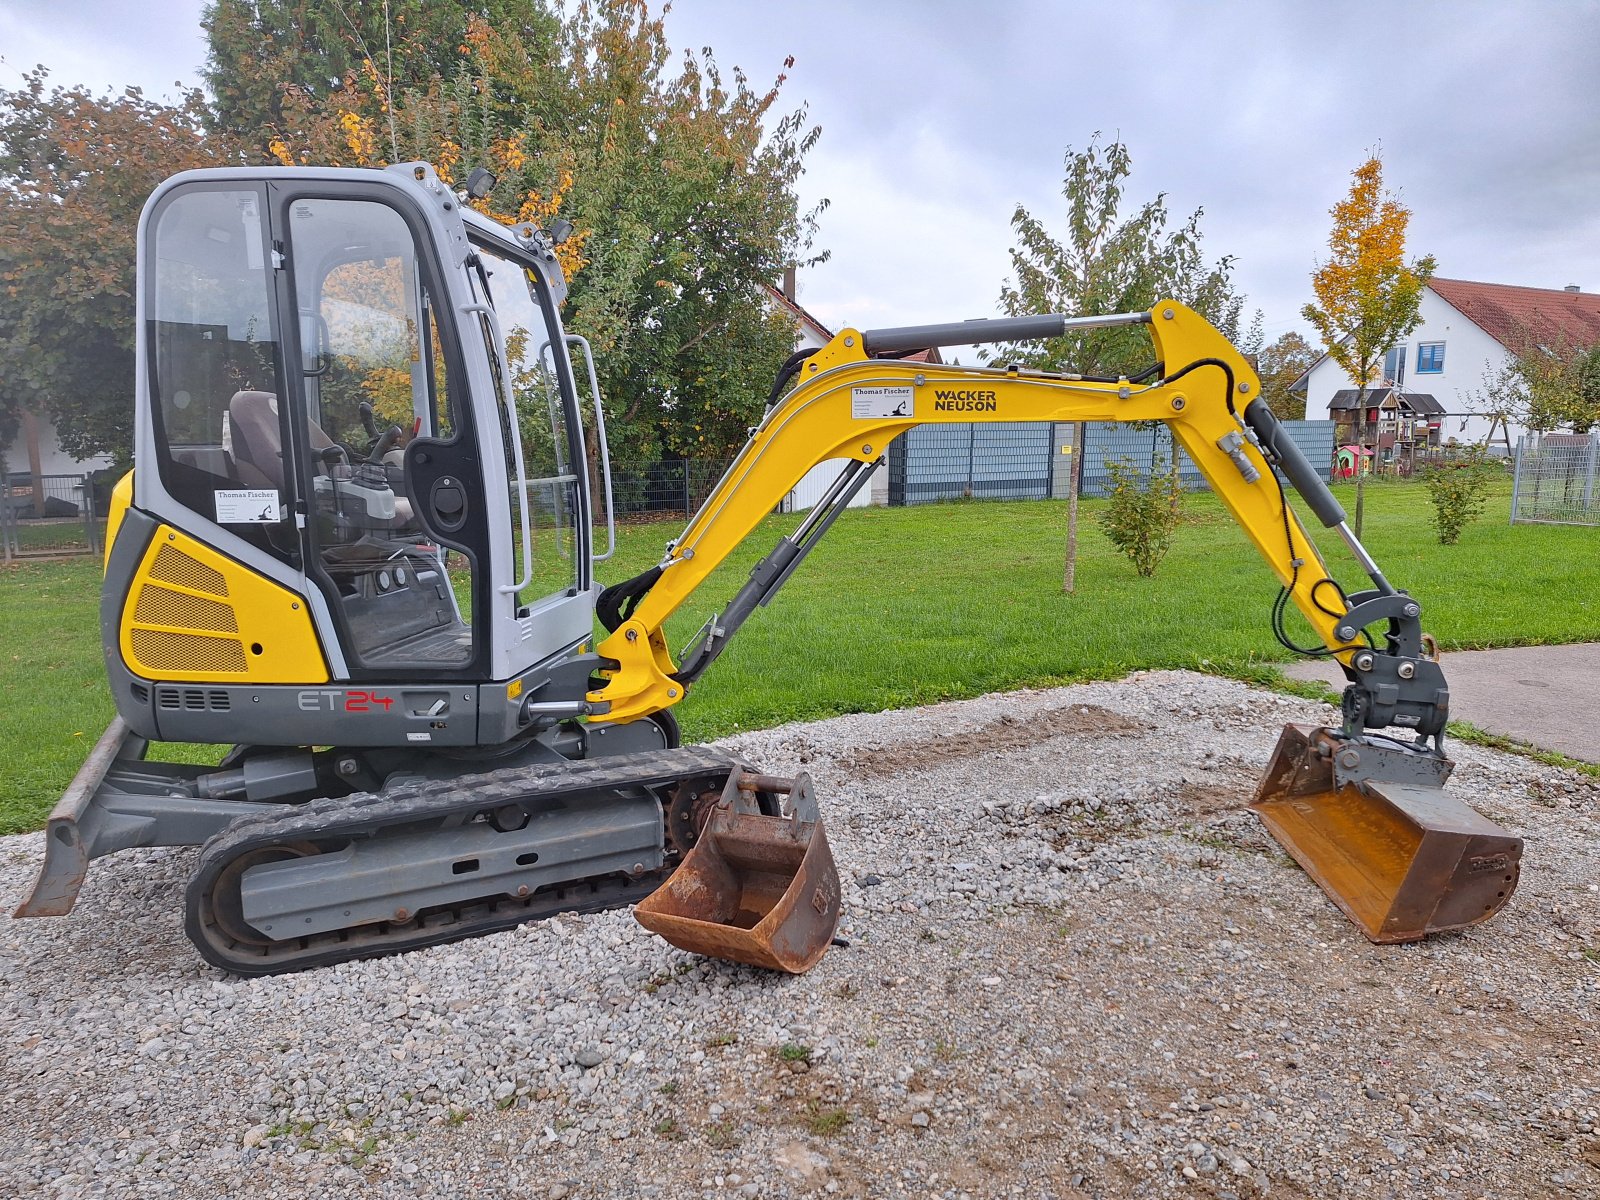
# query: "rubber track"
423,802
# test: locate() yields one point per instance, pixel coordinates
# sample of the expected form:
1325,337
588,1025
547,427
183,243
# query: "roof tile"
1519,316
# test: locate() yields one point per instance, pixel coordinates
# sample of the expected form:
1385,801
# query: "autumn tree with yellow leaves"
75,169
678,178
1368,296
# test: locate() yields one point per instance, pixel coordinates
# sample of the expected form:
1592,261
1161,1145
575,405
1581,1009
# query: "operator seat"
254,443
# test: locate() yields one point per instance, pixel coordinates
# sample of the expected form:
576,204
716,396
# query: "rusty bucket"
1370,821
755,889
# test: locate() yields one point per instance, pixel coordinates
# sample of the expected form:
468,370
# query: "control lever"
385,444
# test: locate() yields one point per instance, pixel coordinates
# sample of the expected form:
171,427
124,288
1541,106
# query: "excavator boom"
1397,854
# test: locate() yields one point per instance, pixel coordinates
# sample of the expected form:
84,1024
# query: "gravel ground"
1077,968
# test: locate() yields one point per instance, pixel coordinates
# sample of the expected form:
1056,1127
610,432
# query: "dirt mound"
1006,733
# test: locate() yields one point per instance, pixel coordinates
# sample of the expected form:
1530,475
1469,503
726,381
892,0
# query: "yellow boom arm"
848,405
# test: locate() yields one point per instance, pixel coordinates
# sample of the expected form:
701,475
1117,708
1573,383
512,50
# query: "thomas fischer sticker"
867,403
248,506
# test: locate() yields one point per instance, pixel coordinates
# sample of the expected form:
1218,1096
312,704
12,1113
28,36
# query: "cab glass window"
550,477
214,356
373,377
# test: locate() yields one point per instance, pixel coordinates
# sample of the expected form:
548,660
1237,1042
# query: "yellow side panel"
121,498
196,616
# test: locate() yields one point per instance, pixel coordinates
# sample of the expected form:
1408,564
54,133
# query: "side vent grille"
140,693
161,650
174,566
175,631
163,606
173,699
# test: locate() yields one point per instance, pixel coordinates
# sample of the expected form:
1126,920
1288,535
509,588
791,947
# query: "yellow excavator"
358,549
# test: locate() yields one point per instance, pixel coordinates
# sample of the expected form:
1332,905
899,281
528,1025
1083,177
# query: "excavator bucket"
755,889
1371,823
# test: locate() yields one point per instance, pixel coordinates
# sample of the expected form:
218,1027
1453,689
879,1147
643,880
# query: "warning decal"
248,506
867,403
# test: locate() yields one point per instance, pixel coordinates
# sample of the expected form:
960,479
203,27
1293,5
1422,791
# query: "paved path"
1548,696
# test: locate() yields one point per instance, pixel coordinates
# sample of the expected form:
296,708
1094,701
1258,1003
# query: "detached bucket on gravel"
1371,823
756,889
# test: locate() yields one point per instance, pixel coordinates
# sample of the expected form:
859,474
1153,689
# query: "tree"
1279,365
275,67
1107,263
1552,382
75,170
680,183
1368,297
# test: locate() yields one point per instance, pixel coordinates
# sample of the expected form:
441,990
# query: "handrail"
605,448
516,445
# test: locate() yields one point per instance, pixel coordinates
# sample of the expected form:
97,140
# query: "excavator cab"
359,548
360,390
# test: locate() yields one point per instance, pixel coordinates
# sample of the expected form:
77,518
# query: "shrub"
1459,488
1142,511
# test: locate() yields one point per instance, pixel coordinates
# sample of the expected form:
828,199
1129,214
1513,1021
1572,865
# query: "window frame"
279,541
1435,360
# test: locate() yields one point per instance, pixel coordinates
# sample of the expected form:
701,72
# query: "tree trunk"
1074,486
1361,445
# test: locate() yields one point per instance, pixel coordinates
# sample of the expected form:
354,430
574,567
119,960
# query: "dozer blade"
1371,823
755,889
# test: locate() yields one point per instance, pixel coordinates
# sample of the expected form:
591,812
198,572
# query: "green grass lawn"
907,606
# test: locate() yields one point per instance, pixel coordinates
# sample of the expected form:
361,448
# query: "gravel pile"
1077,967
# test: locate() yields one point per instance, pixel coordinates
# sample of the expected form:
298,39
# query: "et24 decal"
336,700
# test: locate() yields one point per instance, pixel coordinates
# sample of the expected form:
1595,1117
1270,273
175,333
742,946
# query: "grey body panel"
334,714
371,878
129,693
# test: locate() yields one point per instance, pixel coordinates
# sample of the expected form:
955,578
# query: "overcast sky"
940,116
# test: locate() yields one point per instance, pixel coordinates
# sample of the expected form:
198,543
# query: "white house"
1467,334
36,451
811,334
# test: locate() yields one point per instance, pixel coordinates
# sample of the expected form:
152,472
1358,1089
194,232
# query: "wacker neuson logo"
964,400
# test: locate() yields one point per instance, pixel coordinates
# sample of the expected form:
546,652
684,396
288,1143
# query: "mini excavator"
358,549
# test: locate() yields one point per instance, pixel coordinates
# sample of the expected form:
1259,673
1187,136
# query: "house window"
1430,358
1394,366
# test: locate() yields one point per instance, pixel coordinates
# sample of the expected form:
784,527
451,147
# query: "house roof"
799,313
1519,316
1514,316
1417,402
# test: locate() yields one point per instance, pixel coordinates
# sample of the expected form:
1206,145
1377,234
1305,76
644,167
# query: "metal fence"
52,516
1032,461
1554,479
669,487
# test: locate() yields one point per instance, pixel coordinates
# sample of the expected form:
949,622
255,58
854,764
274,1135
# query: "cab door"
385,448
547,531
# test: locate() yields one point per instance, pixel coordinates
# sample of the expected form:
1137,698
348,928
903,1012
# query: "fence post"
1588,474
88,516
1516,476
7,515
